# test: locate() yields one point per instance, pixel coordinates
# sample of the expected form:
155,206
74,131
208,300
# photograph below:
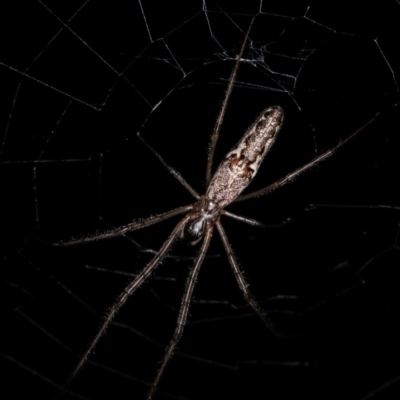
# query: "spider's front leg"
129,290
184,310
243,285
122,230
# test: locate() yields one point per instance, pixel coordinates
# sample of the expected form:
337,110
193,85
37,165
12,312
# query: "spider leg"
173,171
243,285
246,220
289,177
134,226
183,312
215,134
129,290
254,222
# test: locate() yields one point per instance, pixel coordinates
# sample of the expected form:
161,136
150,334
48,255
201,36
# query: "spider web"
79,79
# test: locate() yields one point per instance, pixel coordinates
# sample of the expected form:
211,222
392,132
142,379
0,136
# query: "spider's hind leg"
220,118
292,175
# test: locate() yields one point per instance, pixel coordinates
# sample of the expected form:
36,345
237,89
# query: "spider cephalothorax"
205,213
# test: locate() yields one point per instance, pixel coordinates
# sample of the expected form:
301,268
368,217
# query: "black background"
76,89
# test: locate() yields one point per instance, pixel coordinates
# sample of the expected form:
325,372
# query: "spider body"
235,172
233,175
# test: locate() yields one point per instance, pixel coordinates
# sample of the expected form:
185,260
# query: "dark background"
79,79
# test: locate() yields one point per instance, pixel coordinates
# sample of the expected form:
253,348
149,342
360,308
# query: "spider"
225,186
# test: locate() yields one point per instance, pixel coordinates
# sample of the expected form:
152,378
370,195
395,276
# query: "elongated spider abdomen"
241,164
